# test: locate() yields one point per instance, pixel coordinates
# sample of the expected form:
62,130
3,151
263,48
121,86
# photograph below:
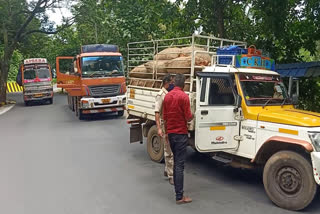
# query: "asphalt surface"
52,163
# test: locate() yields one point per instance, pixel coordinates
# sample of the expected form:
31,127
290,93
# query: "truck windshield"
43,73
29,74
263,90
102,66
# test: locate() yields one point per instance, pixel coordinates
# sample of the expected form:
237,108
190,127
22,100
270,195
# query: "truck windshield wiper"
264,105
284,100
94,73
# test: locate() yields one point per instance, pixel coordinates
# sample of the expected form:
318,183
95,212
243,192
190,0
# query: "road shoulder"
5,108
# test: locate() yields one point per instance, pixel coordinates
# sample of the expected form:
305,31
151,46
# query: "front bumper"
37,96
103,110
315,157
105,104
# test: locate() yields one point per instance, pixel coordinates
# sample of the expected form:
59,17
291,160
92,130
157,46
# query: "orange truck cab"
94,80
35,76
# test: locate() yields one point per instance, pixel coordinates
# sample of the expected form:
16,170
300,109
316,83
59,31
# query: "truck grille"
105,90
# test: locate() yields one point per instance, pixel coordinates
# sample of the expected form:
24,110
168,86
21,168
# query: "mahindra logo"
220,138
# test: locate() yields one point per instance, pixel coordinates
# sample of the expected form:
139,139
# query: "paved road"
52,163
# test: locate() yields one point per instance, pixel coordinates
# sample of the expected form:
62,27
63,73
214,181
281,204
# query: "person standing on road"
167,84
176,115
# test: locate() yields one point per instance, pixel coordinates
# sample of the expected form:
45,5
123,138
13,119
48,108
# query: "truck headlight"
315,139
85,104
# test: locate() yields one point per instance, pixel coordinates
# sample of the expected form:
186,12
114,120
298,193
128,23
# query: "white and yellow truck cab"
243,117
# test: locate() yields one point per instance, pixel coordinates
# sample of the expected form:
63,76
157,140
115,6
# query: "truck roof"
100,54
232,69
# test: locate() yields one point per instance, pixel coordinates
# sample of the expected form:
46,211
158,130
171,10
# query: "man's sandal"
184,200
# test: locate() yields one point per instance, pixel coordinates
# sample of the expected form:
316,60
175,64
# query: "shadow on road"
101,116
245,181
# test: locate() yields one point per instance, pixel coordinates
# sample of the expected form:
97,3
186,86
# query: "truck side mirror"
295,99
238,101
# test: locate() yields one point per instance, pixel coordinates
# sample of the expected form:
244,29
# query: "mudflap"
136,133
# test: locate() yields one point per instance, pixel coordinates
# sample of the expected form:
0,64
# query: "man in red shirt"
176,114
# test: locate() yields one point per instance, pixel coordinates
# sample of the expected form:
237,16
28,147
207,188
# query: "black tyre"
155,146
51,100
120,113
69,102
78,111
73,103
288,180
26,103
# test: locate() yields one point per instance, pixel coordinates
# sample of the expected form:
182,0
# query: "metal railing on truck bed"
185,55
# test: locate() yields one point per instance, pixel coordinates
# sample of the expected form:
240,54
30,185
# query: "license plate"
38,95
105,101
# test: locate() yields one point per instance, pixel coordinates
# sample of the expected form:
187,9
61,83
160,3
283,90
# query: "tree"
21,19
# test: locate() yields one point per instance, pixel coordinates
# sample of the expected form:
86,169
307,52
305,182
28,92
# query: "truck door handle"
204,112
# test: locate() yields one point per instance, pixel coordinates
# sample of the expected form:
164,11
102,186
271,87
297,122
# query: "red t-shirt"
176,111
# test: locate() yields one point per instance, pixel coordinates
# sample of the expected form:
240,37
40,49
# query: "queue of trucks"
243,115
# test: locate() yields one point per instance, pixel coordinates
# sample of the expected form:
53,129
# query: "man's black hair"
167,78
179,80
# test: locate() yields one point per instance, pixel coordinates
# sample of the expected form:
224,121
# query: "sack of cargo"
99,48
181,65
200,58
149,83
159,66
134,82
168,53
140,72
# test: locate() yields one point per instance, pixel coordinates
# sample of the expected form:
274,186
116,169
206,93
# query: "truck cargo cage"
149,61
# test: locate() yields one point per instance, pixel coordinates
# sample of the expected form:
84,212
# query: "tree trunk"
219,13
4,70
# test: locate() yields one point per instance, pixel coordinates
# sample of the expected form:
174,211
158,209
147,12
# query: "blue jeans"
178,144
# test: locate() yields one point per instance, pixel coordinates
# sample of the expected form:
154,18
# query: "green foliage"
15,62
309,98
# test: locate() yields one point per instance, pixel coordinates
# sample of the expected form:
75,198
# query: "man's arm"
187,110
158,106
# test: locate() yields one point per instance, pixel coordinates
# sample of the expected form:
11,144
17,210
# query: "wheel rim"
289,180
156,144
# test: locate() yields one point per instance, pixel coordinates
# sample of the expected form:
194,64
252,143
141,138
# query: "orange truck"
94,80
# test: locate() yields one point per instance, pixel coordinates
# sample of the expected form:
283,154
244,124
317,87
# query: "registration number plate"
105,101
38,95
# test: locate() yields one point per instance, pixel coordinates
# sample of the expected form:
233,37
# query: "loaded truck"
94,80
243,115
35,76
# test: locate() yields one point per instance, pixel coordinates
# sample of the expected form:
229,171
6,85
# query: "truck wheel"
78,111
51,100
73,104
69,102
26,103
288,180
120,113
155,145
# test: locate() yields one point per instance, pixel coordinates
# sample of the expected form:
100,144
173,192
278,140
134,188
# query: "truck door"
216,126
68,74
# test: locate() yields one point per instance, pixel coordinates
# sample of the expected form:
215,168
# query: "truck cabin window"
29,74
43,73
263,90
221,91
102,66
